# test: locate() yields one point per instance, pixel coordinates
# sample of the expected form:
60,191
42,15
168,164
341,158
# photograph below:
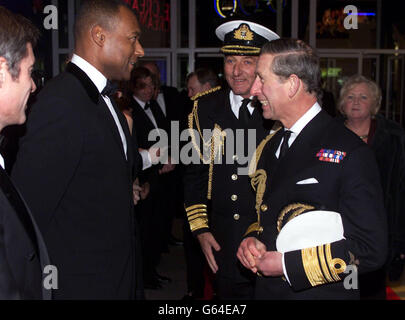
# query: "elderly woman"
359,102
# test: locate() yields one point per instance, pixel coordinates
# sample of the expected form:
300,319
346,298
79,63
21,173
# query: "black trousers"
195,262
373,285
229,289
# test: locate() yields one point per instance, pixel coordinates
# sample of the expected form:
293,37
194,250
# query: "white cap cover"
310,229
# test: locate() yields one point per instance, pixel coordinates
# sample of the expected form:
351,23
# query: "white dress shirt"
146,158
100,81
236,102
300,124
147,111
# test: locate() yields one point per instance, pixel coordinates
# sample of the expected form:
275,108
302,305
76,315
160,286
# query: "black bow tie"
109,89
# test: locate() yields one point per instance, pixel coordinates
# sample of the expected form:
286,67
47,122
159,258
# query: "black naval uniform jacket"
72,170
349,186
232,199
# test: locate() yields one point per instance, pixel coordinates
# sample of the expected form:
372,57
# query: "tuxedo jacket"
23,254
227,190
342,176
72,170
142,125
173,102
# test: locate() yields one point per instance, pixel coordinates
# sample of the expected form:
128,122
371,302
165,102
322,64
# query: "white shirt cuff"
285,270
146,159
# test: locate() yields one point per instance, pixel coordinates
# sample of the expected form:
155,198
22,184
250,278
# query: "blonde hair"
372,86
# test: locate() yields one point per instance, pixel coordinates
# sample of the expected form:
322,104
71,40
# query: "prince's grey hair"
292,56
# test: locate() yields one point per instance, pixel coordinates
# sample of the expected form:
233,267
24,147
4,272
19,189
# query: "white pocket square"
308,181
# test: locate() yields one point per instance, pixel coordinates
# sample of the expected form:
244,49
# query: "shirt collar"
140,102
305,119
2,162
95,76
236,101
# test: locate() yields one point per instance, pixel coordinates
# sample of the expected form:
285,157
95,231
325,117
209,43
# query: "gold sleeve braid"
294,209
320,267
197,216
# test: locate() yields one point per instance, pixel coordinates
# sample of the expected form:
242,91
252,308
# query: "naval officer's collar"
95,76
236,102
305,119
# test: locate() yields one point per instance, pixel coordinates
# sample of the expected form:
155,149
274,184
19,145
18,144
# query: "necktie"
109,89
244,114
284,145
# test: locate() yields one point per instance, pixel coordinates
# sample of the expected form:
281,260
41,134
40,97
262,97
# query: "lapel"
171,102
138,111
18,205
224,116
125,128
26,218
268,160
222,113
302,151
101,106
166,100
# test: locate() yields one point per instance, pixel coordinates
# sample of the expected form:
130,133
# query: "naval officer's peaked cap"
243,37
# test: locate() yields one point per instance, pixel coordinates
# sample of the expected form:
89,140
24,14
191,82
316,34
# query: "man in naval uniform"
223,184
312,164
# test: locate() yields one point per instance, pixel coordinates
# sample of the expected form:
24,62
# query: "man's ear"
98,35
3,70
294,85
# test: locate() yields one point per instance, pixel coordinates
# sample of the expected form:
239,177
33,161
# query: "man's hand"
207,242
154,154
136,189
249,251
167,167
270,264
145,190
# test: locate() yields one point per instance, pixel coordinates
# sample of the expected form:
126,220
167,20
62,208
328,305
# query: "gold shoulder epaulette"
204,93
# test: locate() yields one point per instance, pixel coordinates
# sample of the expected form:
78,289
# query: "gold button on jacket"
236,216
263,207
234,197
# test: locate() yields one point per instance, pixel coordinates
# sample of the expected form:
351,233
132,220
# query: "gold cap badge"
243,33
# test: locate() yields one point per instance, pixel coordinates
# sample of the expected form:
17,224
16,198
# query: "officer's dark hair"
15,33
140,73
292,56
96,12
205,75
156,69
